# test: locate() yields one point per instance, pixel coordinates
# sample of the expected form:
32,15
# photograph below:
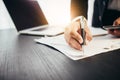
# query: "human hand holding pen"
73,36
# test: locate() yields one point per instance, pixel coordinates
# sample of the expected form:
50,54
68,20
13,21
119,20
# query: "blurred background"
6,21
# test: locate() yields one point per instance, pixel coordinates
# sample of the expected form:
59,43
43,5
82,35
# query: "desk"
23,59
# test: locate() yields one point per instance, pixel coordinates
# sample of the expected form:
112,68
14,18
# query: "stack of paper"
96,46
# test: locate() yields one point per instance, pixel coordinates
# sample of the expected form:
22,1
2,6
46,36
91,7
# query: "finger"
117,32
111,31
88,38
75,33
78,37
76,26
75,44
114,32
116,22
88,34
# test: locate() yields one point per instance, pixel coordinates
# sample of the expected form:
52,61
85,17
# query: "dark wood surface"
23,59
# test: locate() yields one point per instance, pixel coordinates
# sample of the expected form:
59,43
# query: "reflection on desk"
22,59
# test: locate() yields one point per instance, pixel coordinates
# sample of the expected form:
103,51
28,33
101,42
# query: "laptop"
29,18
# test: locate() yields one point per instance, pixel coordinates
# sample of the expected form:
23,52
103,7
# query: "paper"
47,30
52,30
96,46
97,31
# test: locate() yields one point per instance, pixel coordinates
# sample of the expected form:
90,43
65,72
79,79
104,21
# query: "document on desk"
97,31
96,46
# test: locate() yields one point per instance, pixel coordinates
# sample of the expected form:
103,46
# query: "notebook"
29,18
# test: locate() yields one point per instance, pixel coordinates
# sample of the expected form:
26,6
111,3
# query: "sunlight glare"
56,11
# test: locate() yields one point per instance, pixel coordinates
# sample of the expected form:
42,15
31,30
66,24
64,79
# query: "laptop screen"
25,13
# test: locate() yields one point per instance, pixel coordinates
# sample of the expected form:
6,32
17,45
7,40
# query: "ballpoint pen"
82,27
83,33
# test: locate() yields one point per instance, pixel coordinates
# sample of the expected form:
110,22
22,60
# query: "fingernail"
80,41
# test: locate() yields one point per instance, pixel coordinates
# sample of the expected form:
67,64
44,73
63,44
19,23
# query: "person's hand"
115,32
73,37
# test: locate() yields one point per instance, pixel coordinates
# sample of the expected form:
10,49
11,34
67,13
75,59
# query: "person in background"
106,12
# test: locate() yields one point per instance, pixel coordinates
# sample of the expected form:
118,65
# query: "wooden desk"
23,59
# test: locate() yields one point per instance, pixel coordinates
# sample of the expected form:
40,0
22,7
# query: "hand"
73,37
115,32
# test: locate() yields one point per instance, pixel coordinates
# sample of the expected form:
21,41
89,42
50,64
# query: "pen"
83,34
82,27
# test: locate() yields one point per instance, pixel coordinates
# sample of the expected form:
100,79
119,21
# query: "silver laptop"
29,18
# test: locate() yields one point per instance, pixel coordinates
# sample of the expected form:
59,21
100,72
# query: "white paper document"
96,46
46,30
97,31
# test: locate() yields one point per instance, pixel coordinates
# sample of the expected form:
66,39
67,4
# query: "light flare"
56,11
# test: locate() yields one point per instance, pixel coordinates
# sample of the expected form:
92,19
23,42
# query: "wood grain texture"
23,59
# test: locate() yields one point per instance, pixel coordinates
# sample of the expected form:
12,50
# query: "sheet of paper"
97,31
52,30
96,46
